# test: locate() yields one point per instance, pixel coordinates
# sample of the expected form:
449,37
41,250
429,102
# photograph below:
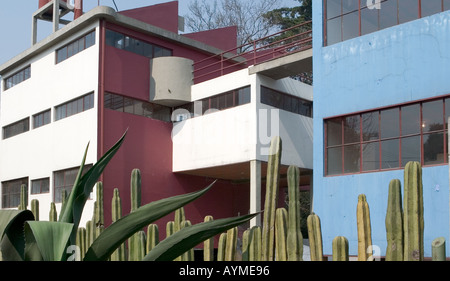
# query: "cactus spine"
315,237
340,248
294,240
208,245
364,229
280,234
413,224
272,181
394,222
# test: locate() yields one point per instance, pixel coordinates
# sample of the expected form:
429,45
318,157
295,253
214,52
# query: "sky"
16,16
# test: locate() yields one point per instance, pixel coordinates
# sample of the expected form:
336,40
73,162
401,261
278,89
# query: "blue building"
381,99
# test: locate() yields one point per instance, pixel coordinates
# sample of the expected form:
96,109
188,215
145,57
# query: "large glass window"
40,186
41,119
11,192
388,138
74,106
17,77
286,102
75,47
16,128
346,19
64,180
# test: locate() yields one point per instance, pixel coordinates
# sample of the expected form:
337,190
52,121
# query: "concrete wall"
403,63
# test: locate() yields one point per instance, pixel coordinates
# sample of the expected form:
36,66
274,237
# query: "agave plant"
22,238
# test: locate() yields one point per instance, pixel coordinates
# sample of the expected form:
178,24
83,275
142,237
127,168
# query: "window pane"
390,154
370,125
371,156
408,10
334,32
433,148
334,161
350,25
388,13
390,126
351,129
432,116
334,132
369,20
333,8
352,158
446,5
447,111
243,96
410,149
147,50
411,119
430,7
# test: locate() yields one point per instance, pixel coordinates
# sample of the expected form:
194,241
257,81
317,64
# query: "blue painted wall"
403,63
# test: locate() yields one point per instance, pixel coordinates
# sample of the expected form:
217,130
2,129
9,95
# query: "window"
11,192
75,47
286,102
130,44
137,107
14,129
388,138
41,119
17,77
64,180
75,106
40,186
346,19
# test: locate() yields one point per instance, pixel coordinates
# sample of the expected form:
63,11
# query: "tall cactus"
208,245
413,223
340,248
246,244
189,254
81,241
179,218
23,198
294,242
270,204
134,247
315,237
364,228
255,247
280,234
99,217
394,222
35,209
152,236
116,214
231,243
53,214
222,246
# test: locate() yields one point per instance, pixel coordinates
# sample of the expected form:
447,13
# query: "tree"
247,15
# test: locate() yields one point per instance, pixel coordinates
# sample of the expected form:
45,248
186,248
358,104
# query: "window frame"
286,102
42,114
67,51
15,79
26,128
40,181
379,139
66,185
65,109
8,194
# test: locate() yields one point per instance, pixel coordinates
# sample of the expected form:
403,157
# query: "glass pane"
410,149
370,126
447,111
430,7
334,32
45,185
349,6
388,13
411,119
350,25
371,156
390,154
351,129
147,50
408,10
446,5
433,148
334,8
334,161
390,126
244,96
352,159
369,20
433,115
128,105
334,131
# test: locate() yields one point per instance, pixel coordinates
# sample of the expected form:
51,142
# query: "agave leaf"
12,243
119,231
51,238
188,237
83,187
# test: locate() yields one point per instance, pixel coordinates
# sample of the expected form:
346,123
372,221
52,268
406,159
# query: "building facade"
381,100
108,72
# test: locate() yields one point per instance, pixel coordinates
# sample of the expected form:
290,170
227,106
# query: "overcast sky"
15,20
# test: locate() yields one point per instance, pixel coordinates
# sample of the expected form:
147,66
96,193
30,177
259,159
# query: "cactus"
340,248
137,247
23,198
231,243
170,228
438,249
116,213
179,218
315,237
90,232
35,209
364,228
413,224
272,181
208,245
255,248
280,234
222,247
294,240
189,254
135,189
152,236
99,218
246,244
394,223
53,214
81,241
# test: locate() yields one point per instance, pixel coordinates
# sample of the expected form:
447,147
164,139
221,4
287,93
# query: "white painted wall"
59,145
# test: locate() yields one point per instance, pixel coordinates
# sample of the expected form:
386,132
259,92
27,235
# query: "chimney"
78,11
